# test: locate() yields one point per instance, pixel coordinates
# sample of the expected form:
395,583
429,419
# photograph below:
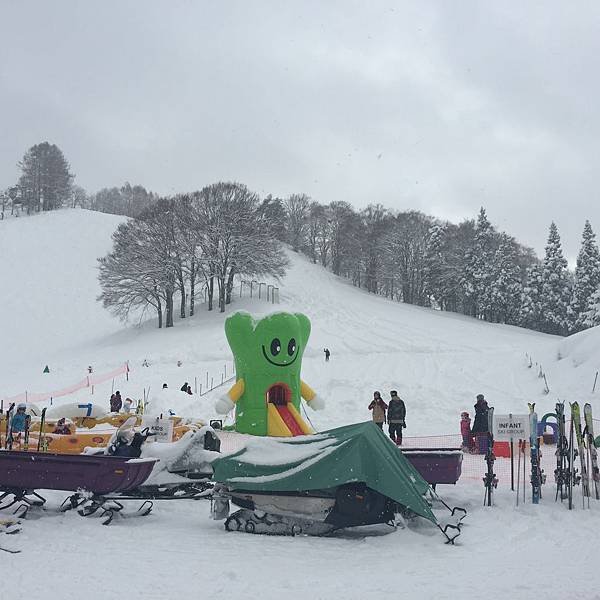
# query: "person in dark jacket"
396,415
480,424
327,354
378,406
116,402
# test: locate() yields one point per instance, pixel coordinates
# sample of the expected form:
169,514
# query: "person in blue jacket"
19,422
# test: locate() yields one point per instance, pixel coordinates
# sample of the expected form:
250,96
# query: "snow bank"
581,348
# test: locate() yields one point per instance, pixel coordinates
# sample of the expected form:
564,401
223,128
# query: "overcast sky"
437,106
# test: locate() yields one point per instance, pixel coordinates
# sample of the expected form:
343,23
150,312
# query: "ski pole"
518,471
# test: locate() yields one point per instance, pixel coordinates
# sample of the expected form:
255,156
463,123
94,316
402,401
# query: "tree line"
47,183
469,268
189,243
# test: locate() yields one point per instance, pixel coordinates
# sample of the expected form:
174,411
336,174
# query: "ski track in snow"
437,361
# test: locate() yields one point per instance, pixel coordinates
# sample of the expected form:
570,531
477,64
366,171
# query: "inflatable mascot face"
268,359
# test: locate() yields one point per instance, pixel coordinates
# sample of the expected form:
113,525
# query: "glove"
224,404
403,425
317,403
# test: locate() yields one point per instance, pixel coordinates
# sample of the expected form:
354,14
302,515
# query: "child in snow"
62,428
18,422
127,405
378,406
465,431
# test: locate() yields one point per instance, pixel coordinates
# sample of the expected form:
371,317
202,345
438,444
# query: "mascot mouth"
279,364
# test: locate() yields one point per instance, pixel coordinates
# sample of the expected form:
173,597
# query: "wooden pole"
512,466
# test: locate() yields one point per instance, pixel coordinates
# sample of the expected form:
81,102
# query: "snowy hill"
437,361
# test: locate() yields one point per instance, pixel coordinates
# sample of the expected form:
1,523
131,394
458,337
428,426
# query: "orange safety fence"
90,380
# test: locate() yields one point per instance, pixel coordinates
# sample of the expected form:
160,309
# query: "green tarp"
354,453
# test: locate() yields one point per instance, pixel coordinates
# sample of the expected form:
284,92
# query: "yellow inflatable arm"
306,391
236,391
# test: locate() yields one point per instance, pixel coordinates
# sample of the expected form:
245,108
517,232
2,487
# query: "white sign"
161,428
511,426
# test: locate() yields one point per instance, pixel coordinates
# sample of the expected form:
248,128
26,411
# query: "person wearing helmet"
19,422
480,425
396,417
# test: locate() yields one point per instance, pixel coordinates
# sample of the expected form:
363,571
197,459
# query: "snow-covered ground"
437,361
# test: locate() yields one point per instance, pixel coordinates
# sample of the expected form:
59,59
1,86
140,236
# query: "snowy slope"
49,283
437,361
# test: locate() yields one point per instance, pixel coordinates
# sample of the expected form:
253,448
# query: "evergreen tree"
506,286
531,298
478,270
556,290
587,279
45,181
592,315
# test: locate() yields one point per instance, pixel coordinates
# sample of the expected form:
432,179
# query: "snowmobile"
346,477
310,513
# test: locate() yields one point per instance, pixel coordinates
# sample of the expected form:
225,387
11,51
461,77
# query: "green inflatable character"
268,357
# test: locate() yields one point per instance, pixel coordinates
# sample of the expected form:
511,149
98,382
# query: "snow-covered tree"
556,286
531,298
587,279
504,293
592,315
478,267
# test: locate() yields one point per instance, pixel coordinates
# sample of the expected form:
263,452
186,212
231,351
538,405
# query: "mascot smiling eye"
292,347
275,347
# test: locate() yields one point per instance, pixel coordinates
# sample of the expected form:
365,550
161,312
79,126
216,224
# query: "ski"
8,440
589,434
576,418
562,471
490,481
42,438
26,433
536,474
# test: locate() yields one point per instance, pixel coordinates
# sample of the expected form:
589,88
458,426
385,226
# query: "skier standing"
481,425
327,354
378,406
396,415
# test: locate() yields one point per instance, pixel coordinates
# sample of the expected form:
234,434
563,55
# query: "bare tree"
297,208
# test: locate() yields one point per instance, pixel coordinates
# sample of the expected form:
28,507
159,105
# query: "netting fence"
89,381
